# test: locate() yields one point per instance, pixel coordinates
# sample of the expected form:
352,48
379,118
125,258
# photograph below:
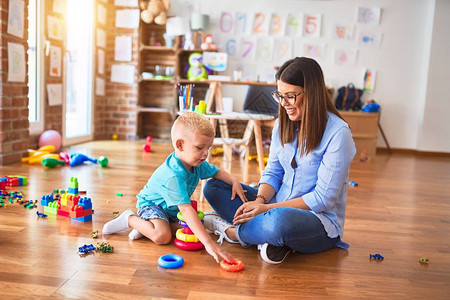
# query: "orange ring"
235,266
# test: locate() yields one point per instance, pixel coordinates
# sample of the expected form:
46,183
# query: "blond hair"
191,123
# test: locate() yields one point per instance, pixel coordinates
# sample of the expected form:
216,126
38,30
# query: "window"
79,69
35,70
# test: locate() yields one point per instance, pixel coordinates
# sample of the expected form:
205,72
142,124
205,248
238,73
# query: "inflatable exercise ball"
50,137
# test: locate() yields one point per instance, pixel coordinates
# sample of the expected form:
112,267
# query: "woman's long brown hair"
306,73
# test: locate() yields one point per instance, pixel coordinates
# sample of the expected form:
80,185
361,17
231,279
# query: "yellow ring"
190,238
200,214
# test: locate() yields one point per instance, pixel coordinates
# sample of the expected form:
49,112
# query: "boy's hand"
194,223
236,188
218,252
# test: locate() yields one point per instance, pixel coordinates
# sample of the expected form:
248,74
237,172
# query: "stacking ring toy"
185,225
235,266
200,214
190,238
188,246
170,261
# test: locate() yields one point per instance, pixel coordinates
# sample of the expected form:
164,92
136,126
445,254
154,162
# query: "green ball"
103,161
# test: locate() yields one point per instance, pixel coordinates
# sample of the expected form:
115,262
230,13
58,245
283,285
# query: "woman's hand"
248,211
236,188
218,252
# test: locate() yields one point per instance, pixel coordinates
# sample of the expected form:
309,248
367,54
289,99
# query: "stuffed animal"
154,11
208,43
188,43
196,69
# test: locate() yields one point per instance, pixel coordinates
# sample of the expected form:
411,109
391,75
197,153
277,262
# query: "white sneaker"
214,223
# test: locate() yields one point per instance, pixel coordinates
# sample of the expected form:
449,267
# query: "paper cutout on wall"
282,49
123,73
16,62
247,47
100,61
123,48
54,93
55,28
127,18
369,15
16,17
216,61
342,32
345,57
314,51
369,80
312,25
294,25
99,86
59,6
101,14
130,3
264,48
101,38
261,24
278,24
55,61
372,40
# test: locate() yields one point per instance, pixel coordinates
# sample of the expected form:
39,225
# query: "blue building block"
73,191
46,199
83,219
85,202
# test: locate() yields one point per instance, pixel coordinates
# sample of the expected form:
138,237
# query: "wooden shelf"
155,109
171,81
157,48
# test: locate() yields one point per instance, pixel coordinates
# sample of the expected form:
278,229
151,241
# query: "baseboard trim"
413,152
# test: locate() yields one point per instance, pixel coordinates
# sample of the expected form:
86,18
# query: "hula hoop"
200,214
190,238
188,246
170,261
235,266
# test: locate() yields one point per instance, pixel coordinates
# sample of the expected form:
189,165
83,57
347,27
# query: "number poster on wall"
265,36
272,37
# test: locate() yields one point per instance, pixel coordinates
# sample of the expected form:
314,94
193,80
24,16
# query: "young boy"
170,187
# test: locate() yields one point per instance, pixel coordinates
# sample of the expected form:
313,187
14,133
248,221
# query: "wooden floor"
401,209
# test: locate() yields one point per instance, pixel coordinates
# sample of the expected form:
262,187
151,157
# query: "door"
78,71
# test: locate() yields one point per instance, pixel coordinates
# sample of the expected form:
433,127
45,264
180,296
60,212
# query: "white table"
253,126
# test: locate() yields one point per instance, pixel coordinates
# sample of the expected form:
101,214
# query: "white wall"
434,128
411,64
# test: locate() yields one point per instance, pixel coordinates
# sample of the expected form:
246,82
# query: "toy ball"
147,148
103,161
148,139
50,137
115,137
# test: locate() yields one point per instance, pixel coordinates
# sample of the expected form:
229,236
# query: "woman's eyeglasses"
289,97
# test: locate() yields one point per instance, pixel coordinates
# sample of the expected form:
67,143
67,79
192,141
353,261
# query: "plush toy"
208,43
154,11
196,69
188,43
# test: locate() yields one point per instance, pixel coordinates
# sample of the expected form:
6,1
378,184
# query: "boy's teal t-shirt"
172,184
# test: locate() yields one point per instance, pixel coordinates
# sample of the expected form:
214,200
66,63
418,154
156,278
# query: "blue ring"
170,261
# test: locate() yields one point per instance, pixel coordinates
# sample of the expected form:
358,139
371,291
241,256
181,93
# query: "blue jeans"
298,229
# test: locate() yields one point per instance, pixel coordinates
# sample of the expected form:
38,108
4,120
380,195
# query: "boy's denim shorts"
155,212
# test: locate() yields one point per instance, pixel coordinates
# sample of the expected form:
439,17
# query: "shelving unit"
157,105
